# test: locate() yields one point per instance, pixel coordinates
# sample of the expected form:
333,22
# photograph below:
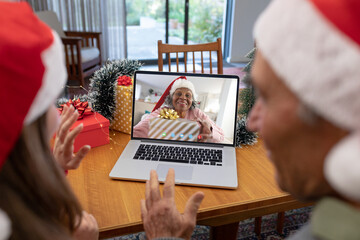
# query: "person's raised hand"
64,140
159,214
88,228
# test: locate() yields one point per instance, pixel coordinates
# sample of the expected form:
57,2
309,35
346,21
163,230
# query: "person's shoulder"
198,112
156,112
304,232
195,110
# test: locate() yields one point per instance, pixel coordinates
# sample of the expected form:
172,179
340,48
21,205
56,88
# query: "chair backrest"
51,19
185,49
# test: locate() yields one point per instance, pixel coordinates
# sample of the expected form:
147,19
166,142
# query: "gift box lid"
179,120
92,121
179,129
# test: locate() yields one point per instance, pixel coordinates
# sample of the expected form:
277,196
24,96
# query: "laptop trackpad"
181,172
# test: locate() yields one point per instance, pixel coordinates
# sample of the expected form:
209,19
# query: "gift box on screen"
179,129
95,132
123,113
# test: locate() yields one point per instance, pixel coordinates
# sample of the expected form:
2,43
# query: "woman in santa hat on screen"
36,201
180,95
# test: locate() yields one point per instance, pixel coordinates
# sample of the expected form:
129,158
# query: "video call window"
214,108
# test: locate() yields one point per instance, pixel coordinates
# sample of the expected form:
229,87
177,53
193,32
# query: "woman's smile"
181,102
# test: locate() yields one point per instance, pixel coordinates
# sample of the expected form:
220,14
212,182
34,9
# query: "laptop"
163,143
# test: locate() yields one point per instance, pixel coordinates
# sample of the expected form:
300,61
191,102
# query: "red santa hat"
180,82
314,46
32,71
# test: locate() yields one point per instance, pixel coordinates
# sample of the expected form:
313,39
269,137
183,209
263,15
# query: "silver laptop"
159,143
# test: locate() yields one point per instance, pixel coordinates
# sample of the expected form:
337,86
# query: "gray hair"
169,98
306,114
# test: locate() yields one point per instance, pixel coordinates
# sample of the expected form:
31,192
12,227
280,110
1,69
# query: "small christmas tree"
102,94
247,95
247,100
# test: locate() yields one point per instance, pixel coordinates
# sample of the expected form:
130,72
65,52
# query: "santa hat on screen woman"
32,71
314,46
180,82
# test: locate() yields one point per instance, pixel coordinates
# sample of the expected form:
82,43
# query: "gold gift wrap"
179,129
167,113
122,116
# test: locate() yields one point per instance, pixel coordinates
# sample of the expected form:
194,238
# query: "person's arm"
209,130
64,141
160,216
141,129
88,228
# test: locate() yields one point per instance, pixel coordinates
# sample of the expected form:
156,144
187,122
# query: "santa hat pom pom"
342,166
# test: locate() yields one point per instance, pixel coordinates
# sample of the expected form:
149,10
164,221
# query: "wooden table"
116,204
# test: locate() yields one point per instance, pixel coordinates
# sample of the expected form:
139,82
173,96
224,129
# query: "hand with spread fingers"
64,141
88,228
159,214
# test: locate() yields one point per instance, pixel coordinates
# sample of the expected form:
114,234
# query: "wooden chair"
80,47
185,49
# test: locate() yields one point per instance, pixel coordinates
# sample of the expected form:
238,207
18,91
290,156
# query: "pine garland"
102,94
251,56
243,136
247,95
247,100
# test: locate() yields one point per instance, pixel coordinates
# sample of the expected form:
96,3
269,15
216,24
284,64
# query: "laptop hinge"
182,143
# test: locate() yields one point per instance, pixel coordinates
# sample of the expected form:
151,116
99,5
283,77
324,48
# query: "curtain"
105,16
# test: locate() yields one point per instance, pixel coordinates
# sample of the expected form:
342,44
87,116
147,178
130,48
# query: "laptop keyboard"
161,153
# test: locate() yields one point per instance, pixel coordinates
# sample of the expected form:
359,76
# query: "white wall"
226,116
245,13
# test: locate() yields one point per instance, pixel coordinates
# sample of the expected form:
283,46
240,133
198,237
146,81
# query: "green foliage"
251,54
247,95
176,33
206,20
102,94
243,136
247,100
177,10
205,16
144,8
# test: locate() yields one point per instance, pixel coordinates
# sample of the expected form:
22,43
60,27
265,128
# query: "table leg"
280,222
228,232
257,222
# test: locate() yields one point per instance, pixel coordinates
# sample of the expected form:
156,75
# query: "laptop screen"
187,107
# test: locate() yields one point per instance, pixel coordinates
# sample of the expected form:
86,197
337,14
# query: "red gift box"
95,132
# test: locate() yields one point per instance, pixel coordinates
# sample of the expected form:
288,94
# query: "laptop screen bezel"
186,74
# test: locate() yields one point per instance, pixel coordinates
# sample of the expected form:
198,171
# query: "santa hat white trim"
313,58
5,226
183,83
54,79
